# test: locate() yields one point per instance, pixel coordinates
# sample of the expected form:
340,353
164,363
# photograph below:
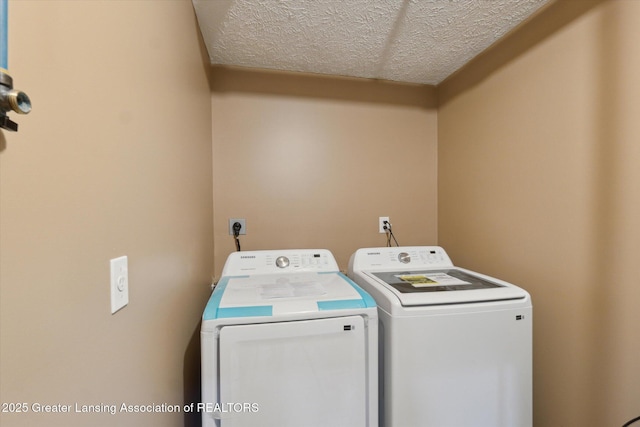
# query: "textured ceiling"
414,41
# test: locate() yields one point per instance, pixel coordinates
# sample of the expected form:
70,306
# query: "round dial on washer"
404,257
282,261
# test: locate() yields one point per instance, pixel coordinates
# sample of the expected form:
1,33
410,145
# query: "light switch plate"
119,283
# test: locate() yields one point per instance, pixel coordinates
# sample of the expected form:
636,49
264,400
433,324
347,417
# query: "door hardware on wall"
10,98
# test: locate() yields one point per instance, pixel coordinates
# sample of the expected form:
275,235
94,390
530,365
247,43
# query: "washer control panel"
279,261
400,257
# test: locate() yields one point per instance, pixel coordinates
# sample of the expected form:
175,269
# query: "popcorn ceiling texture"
414,41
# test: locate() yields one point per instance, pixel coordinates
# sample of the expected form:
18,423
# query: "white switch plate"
381,221
119,283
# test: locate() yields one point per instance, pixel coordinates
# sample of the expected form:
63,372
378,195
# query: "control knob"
404,258
282,262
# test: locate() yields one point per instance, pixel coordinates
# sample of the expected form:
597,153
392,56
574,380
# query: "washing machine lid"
444,286
285,295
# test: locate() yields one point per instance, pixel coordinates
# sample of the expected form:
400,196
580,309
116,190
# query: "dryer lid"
284,294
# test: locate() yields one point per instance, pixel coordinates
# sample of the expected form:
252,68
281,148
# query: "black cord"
394,237
628,423
389,231
236,232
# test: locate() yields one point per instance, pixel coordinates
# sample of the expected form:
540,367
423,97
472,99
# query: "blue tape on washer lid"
368,299
213,305
343,304
251,311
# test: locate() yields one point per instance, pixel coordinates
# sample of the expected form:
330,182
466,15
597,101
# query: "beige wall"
312,162
527,171
539,184
115,159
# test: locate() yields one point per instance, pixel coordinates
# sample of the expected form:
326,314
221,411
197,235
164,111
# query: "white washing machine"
288,341
456,346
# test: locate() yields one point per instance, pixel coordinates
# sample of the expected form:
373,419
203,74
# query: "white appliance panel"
281,261
459,369
455,352
317,368
290,341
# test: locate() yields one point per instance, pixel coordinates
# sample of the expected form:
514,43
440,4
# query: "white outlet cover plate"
119,283
381,221
242,222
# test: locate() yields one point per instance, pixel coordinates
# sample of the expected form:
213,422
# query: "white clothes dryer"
456,345
288,341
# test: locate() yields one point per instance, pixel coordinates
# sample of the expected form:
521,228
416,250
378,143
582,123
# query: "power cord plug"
236,228
236,232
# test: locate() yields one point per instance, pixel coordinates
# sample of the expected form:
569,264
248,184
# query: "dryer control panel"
400,257
279,261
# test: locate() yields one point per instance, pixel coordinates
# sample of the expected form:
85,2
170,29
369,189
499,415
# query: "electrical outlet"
243,225
381,221
119,283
